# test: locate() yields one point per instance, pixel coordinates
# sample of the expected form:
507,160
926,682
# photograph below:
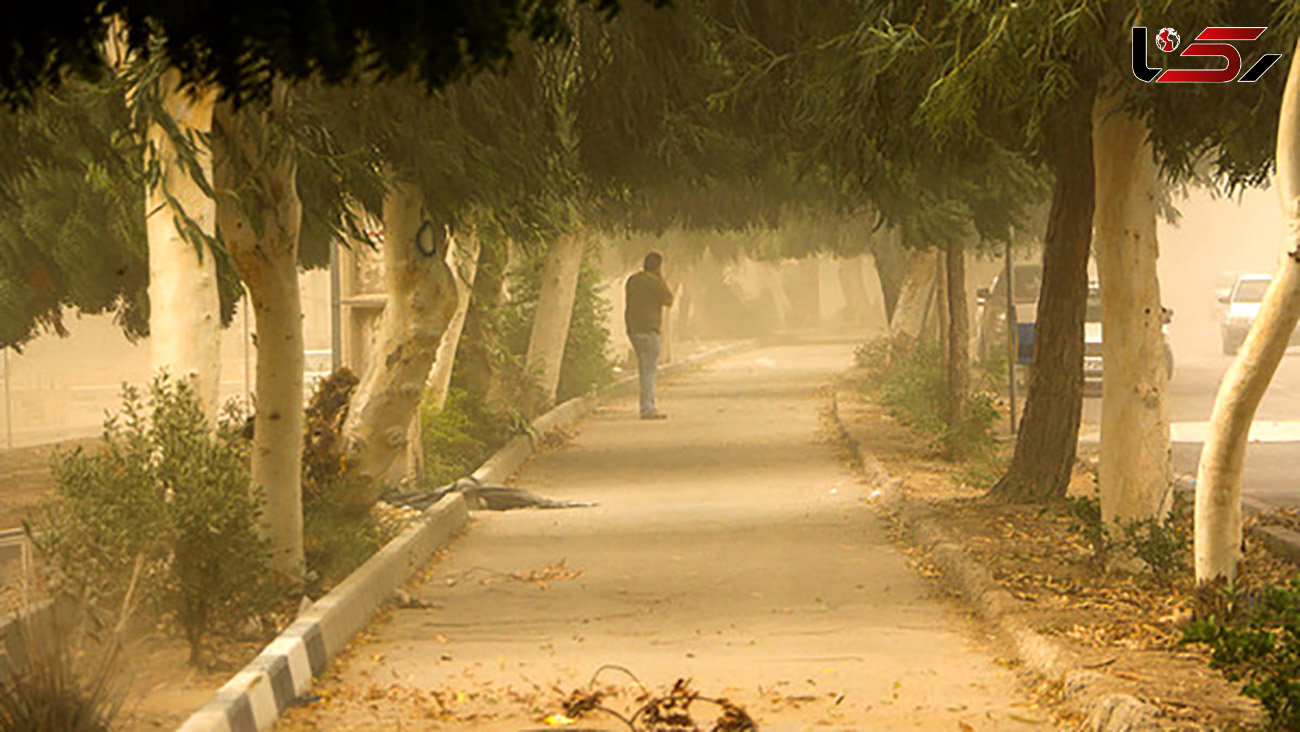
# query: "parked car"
1242,307
1092,341
991,326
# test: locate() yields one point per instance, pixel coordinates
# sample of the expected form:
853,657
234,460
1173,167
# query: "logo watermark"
1209,42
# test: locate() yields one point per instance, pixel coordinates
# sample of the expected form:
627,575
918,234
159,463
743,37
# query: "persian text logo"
1207,43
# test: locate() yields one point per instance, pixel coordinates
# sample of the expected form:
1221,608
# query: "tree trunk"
912,312
1136,475
1049,431
421,302
475,368
1218,479
855,290
892,266
464,264
958,341
266,257
184,302
554,311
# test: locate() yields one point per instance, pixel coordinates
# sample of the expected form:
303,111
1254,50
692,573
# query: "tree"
421,301
245,47
1136,472
71,234
259,215
1218,477
180,217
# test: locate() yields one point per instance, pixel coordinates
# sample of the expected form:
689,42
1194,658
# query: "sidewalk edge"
1105,711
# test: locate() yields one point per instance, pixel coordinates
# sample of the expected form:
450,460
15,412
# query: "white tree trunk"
1136,473
184,302
462,257
914,313
554,311
464,264
421,301
1218,479
266,258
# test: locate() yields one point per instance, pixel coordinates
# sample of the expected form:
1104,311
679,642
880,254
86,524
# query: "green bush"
1260,647
336,538
1085,511
457,438
168,490
913,386
1161,544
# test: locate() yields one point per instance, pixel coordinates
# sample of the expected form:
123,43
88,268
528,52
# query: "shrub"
1161,544
47,694
336,538
1085,511
458,437
913,386
1261,648
169,491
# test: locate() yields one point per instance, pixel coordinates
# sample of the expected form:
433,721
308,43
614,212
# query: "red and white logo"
1211,43
1167,40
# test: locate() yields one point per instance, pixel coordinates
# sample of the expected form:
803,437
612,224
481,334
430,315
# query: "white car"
1092,345
1243,305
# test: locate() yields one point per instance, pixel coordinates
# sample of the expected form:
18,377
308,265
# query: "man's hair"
653,261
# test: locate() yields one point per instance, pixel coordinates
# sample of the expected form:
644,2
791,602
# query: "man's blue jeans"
646,346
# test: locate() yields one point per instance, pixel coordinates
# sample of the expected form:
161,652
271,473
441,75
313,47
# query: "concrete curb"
256,696
283,671
1105,711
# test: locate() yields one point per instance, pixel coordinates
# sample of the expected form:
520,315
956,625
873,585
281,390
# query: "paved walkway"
729,547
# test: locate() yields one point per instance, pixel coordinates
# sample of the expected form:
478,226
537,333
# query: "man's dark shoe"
654,415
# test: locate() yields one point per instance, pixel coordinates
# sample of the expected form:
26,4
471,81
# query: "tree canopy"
243,45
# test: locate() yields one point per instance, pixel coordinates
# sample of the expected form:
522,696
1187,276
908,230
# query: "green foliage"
336,539
457,438
873,355
1259,642
1161,543
72,224
586,364
913,386
244,45
168,491
1086,514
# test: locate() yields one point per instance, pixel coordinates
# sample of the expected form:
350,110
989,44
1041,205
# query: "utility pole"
1012,350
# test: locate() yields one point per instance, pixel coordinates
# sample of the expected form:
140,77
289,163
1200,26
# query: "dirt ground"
1126,625
729,546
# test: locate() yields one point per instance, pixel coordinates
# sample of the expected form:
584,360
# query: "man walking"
647,296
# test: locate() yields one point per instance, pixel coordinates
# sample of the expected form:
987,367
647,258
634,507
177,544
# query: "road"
1273,458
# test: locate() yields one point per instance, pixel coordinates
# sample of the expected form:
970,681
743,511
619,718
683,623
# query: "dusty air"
649,366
